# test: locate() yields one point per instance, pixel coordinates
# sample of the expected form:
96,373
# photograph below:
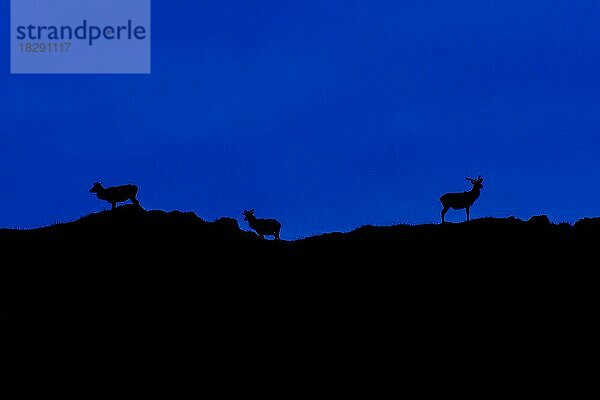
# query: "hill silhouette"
130,235
132,225
156,292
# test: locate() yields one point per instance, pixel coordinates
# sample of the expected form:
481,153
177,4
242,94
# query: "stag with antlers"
458,201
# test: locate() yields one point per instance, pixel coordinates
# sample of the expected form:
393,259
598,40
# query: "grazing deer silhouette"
116,194
465,200
269,227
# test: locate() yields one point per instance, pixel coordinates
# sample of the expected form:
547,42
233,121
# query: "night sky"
326,115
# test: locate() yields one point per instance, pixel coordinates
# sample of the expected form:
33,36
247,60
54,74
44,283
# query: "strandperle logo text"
80,36
85,32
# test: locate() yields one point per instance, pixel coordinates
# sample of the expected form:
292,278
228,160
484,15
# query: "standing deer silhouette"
264,227
116,194
458,201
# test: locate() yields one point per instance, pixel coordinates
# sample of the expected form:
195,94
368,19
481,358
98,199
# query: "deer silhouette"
116,194
269,227
458,201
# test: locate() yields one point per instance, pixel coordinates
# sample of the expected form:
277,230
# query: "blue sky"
326,115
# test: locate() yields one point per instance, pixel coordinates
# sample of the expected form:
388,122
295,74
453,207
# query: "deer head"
96,188
477,183
248,214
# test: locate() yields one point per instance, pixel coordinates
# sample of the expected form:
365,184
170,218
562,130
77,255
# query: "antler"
478,180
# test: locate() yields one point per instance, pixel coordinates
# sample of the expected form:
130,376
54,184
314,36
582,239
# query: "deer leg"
468,214
135,201
444,211
276,235
114,205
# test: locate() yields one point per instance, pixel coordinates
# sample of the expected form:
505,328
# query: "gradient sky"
326,115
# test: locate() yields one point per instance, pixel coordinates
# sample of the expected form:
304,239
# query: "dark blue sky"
324,114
